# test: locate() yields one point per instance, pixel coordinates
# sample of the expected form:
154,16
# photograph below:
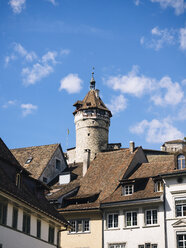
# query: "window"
3,213
181,240
180,207
38,229
128,189
51,234
112,220
26,223
151,217
80,226
148,245
117,246
14,217
45,179
131,218
58,164
28,161
18,180
159,186
181,161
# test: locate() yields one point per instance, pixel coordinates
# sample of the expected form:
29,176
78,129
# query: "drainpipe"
58,237
102,228
165,215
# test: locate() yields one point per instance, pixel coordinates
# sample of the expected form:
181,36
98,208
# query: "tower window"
88,134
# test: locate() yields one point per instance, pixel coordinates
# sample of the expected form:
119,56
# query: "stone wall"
91,133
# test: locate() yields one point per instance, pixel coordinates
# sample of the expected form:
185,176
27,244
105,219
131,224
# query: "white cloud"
10,103
178,5
118,103
172,96
183,38
49,57
64,51
53,2
132,83
137,2
161,37
36,73
29,56
17,5
157,131
162,92
183,82
71,83
28,108
9,58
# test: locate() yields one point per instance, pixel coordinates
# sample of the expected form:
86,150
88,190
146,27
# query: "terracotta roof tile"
91,101
40,157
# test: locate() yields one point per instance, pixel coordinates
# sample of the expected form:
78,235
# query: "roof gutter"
158,199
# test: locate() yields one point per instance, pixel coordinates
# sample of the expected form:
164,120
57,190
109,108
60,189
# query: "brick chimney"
131,146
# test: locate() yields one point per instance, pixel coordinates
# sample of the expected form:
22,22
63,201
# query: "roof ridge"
28,147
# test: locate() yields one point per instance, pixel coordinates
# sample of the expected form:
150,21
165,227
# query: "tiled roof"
153,169
143,182
59,190
178,141
5,154
105,172
40,157
101,179
91,101
25,193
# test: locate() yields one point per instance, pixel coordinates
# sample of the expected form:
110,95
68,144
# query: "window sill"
130,227
112,229
149,226
77,233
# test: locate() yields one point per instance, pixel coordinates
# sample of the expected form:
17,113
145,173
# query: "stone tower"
92,121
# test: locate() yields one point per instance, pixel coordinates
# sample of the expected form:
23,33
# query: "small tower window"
181,161
88,134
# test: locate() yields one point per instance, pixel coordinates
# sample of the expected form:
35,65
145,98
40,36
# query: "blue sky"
48,49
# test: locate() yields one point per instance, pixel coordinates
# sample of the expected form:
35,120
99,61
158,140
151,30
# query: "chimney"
131,146
86,161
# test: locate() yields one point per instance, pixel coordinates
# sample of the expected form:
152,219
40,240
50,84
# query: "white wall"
139,235
11,238
174,190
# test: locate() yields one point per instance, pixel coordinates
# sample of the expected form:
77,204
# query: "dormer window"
45,179
181,162
128,189
28,161
158,186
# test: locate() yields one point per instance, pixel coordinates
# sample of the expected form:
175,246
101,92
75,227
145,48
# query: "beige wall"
93,239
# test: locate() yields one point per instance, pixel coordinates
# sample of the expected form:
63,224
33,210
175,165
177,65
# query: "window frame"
151,217
183,204
181,162
183,240
158,187
26,226
3,213
15,211
117,244
128,189
85,226
38,228
51,234
132,219
113,220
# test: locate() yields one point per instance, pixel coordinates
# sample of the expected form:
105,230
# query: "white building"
26,217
